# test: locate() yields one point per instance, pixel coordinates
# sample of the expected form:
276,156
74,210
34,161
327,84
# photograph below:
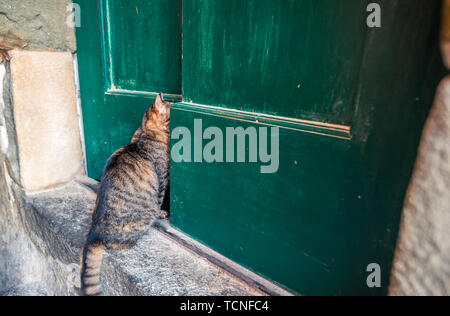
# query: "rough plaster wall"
7,126
13,241
422,264
36,25
24,268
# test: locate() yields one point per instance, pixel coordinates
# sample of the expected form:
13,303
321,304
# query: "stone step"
58,221
31,289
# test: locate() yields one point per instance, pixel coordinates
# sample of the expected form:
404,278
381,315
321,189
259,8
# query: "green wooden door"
350,103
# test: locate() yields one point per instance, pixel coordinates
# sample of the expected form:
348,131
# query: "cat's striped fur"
131,193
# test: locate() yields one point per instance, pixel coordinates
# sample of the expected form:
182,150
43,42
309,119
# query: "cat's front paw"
164,215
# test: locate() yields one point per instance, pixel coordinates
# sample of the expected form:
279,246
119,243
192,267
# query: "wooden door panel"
292,227
143,45
263,56
352,128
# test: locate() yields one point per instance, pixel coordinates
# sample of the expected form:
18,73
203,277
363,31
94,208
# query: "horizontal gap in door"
312,127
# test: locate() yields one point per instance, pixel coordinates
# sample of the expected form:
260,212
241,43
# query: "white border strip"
79,110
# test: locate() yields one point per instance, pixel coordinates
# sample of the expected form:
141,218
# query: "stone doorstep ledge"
58,221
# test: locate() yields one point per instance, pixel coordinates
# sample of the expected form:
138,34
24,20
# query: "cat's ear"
160,105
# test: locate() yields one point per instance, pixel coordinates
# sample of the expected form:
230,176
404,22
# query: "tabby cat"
131,193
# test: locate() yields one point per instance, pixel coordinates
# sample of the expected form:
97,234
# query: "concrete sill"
57,222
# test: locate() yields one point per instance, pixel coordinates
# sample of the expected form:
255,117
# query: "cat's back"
128,184
130,164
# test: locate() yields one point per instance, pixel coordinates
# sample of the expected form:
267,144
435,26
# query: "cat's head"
158,115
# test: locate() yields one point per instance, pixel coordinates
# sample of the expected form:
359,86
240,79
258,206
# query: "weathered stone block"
46,118
422,264
36,25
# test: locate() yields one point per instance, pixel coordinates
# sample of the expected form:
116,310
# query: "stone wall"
39,136
36,25
422,262
422,265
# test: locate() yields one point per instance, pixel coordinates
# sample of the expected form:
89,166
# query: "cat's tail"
91,262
